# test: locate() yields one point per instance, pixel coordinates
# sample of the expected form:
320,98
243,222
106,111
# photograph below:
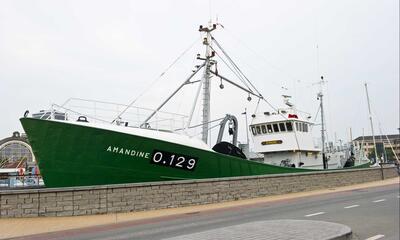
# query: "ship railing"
107,112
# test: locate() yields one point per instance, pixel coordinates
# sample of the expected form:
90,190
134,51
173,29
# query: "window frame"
269,128
280,126
253,130
275,127
263,129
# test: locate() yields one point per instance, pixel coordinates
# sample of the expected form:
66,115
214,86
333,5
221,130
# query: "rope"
262,57
201,124
316,115
233,70
158,78
387,138
238,69
235,66
210,128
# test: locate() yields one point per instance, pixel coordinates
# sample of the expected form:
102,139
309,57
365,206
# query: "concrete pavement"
273,230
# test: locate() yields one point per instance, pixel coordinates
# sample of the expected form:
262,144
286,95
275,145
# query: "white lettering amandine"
129,152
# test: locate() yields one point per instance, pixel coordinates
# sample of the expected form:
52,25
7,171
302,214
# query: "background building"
15,152
383,147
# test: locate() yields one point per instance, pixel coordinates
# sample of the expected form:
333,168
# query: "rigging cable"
258,103
210,128
316,115
260,95
251,84
262,57
233,70
158,78
238,69
380,129
234,65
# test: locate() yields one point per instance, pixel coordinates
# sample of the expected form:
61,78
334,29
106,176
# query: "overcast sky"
113,50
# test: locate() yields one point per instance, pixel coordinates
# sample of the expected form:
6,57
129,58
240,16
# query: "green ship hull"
76,155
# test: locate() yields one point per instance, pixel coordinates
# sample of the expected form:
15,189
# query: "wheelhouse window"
289,126
282,127
276,127
269,128
263,129
305,127
258,129
253,130
299,127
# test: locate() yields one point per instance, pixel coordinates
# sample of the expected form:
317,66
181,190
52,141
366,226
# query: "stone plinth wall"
157,195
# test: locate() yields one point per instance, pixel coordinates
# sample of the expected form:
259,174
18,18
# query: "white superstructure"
285,130
285,138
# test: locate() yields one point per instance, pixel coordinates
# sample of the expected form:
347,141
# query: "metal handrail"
119,104
103,111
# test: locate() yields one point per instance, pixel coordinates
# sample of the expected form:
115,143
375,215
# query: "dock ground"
18,227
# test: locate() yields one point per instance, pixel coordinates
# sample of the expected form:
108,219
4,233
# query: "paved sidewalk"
14,227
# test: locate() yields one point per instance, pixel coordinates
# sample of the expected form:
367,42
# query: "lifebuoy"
20,171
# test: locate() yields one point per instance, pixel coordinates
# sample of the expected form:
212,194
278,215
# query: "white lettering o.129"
174,161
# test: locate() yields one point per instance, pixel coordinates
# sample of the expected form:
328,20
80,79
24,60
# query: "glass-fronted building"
15,149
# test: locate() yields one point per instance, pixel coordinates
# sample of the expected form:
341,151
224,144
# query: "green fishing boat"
79,151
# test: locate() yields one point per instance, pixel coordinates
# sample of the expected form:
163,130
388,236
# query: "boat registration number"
173,160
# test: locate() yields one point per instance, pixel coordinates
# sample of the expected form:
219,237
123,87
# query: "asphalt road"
372,213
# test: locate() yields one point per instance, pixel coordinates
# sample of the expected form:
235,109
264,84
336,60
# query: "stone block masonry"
158,195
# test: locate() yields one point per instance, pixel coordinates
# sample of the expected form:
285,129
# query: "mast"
206,80
320,97
372,131
372,125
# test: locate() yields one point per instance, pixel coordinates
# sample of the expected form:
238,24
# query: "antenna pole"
320,97
207,41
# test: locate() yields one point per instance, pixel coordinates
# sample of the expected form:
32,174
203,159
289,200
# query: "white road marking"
314,214
376,237
352,206
380,200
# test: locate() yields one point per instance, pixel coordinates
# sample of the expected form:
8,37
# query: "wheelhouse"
279,127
